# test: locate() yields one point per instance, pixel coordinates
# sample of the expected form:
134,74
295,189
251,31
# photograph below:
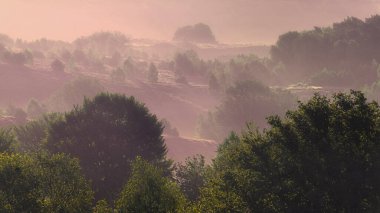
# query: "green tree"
106,133
8,141
149,191
102,207
63,187
321,157
42,183
31,135
190,176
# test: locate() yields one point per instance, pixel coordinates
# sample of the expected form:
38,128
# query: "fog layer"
238,21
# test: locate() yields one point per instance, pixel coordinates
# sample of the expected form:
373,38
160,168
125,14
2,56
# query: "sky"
232,21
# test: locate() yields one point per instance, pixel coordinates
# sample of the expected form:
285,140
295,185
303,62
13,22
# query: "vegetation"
42,183
199,33
246,101
57,66
87,151
191,176
74,92
148,191
106,133
320,158
347,48
152,73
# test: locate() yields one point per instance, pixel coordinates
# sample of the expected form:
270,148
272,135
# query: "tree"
42,183
58,66
244,102
102,207
190,176
106,133
321,157
8,141
148,191
213,84
74,92
31,135
18,58
19,114
152,73
35,109
200,33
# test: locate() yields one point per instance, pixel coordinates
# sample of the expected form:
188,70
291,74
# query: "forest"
111,123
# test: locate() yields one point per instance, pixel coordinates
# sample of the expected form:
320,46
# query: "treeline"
109,155
346,54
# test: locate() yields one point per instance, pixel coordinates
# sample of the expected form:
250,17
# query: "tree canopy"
42,183
321,157
347,48
148,191
106,133
198,33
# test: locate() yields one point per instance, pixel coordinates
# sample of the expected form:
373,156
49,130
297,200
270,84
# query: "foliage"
152,73
148,191
20,116
348,47
74,92
190,176
186,63
102,42
35,109
244,102
169,129
199,33
8,141
322,157
106,133
42,183
31,135
15,58
6,40
58,66
213,84
102,207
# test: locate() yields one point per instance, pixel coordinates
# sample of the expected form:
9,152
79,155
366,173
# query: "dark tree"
58,66
199,33
152,73
322,157
106,133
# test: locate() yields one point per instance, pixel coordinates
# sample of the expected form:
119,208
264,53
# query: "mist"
240,21
189,106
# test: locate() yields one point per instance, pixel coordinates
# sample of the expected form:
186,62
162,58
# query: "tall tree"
322,157
106,133
149,191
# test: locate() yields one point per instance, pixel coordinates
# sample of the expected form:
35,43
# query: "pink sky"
233,21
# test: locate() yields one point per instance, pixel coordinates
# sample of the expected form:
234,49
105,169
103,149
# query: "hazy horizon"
240,21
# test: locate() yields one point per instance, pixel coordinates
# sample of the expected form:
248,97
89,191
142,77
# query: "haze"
238,21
